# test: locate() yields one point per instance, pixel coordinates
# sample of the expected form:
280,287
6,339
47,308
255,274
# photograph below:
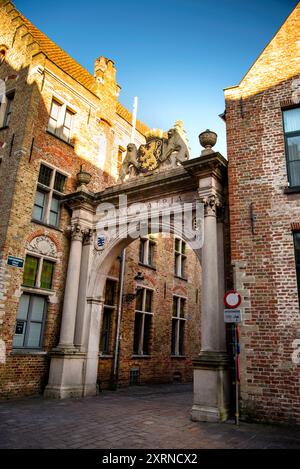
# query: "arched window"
36,287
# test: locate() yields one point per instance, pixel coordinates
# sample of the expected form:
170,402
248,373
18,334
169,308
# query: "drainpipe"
119,313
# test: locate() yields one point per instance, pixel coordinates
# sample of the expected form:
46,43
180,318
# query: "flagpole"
134,116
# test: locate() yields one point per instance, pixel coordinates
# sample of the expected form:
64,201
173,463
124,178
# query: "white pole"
134,115
119,313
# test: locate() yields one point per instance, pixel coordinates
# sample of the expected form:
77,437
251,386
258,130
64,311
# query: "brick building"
56,120
263,132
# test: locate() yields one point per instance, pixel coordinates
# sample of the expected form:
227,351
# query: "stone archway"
74,362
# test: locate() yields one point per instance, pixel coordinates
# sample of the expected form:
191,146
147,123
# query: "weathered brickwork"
261,218
159,366
37,71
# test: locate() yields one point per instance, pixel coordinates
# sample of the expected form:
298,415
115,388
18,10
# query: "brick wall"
101,126
263,254
160,367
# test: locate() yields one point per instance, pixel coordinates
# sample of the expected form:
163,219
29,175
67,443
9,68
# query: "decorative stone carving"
83,177
161,151
211,204
88,237
208,139
77,232
43,245
101,241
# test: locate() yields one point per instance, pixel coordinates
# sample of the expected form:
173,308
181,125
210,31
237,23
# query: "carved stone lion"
166,154
175,149
130,161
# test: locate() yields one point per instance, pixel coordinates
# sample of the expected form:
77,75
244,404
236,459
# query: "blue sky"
177,56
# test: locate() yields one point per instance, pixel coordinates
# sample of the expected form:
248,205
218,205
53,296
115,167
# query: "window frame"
178,320
28,322
146,246
50,193
139,352
287,135
180,258
6,109
41,258
108,309
297,263
61,120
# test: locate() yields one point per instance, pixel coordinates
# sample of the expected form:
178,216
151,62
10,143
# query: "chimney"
105,72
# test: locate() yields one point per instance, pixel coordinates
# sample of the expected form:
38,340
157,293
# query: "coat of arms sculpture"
160,152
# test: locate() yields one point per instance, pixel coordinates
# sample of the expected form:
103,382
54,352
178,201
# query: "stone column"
210,276
221,271
93,329
71,291
211,379
81,320
67,362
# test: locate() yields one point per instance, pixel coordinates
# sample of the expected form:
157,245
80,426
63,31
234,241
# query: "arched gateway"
198,182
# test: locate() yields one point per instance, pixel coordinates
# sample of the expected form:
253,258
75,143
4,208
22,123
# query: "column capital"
77,232
211,204
88,237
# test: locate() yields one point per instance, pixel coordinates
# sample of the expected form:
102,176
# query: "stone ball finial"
208,139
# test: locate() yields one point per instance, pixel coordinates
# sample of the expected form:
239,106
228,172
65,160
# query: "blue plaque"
15,262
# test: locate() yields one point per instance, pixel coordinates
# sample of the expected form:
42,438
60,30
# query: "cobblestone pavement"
154,417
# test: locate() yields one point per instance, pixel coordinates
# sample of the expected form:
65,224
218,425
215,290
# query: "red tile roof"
64,61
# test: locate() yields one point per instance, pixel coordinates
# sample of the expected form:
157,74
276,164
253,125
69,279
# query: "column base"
66,374
211,387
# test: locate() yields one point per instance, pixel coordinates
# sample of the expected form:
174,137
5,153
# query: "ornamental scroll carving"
42,245
211,204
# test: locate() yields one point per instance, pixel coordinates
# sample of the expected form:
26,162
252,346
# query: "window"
30,322
51,185
180,258
146,255
178,325
61,121
297,259
134,377
291,120
143,320
108,314
6,107
38,272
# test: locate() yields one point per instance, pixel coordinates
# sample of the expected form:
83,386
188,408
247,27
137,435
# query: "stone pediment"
42,245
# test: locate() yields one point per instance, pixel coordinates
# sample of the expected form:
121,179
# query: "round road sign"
232,299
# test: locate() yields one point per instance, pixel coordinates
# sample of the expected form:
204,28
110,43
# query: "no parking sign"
232,299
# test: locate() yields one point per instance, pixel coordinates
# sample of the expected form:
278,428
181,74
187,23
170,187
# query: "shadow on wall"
29,136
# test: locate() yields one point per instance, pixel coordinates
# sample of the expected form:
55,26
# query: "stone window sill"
52,227
148,266
103,355
134,357
61,139
292,190
37,291
26,352
180,357
181,278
